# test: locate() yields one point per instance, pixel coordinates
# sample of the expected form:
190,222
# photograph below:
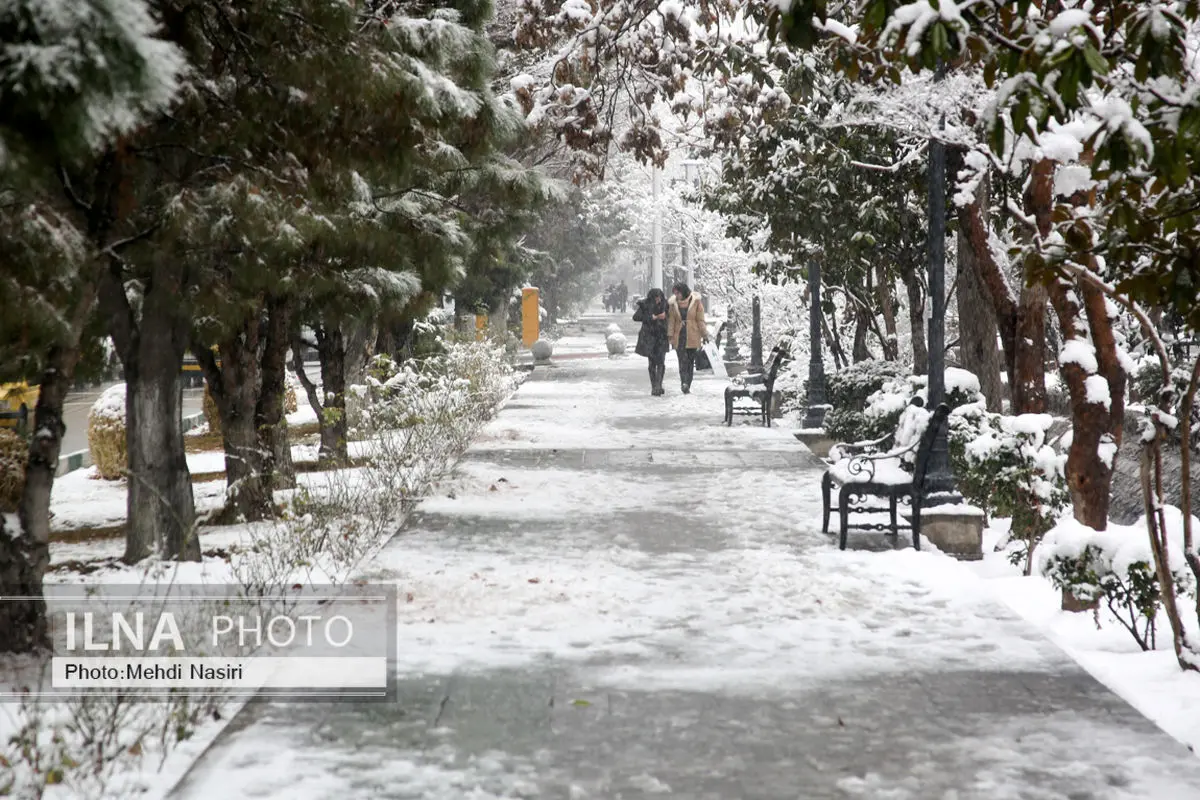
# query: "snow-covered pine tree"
72,77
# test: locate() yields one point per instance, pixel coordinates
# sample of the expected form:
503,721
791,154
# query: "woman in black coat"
652,338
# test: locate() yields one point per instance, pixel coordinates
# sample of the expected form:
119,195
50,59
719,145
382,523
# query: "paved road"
78,404
620,598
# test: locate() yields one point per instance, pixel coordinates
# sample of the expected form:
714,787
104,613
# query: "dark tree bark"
331,407
883,293
977,328
235,386
834,338
862,324
1016,314
278,470
916,320
161,510
23,562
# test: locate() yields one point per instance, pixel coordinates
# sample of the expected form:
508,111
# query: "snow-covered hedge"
1115,565
106,433
1005,466
884,406
14,452
868,397
848,391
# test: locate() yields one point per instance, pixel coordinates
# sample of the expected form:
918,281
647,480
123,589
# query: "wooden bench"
757,387
880,474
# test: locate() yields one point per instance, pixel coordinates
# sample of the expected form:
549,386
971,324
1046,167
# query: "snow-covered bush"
616,344
848,391
14,452
1005,466
1115,565
106,433
883,408
412,426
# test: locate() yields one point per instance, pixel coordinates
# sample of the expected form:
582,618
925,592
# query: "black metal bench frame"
864,463
756,386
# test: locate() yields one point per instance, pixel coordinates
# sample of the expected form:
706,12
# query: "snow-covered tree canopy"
75,73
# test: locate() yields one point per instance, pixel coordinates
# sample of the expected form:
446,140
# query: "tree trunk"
270,421
23,562
883,292
161,512
236,388
160,506
834,338
977,328
334,427
862,324
358,337
1029,365
916,320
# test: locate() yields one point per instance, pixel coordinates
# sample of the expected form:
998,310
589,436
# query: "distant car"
17,402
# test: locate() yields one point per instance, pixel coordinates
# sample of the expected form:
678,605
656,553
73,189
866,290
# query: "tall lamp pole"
939,480
814,417
756,362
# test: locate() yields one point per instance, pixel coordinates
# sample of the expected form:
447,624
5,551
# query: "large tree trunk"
270,421
161,511
1096,427
1016,314
23,562
977,328
235,388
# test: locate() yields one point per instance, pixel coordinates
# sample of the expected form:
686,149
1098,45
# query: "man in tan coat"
686,330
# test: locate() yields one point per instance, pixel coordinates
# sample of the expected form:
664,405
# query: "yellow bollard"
481,321
529,316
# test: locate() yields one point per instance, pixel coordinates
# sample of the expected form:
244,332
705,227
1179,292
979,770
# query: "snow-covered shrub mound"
612,328
884,406
868,398
211,414
848,391
14,452
1005,466
106,433
616,344
1117,566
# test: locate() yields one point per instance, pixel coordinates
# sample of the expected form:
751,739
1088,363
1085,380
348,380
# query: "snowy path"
621,598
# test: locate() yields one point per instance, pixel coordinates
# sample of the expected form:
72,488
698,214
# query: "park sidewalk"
621,598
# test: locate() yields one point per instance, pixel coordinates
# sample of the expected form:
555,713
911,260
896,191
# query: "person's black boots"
659,369
653,379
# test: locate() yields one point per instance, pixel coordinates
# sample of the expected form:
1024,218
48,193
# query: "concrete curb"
83,458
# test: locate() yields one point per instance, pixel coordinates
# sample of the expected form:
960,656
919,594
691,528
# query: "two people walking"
675,323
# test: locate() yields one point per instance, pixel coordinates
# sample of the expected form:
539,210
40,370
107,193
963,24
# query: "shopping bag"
718,366
701,364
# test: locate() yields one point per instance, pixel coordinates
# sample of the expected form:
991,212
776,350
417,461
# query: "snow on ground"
1151,682
666,568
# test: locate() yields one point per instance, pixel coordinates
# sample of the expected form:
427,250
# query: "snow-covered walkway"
621,598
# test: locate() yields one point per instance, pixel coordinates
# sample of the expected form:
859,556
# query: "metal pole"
939,480
756,362
814,417
656,244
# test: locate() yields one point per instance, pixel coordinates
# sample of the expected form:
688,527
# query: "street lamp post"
756,362
939,480
814,417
